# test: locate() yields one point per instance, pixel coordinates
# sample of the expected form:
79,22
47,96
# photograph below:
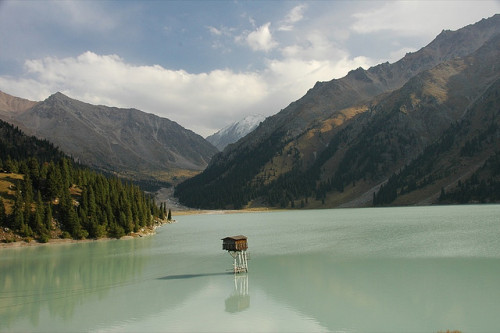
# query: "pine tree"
47,220
3,216
27,189
37,218
54,182
18,213
70,218
442,196
66,174
41,227
169,218
162,211
92,207
37,221
10,165
34,171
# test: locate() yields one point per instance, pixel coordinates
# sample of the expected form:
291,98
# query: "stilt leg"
245,261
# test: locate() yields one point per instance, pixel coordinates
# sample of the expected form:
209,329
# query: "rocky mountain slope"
235,131
10,106
342,141
128,142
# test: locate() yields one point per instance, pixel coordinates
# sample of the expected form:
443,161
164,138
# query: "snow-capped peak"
235,131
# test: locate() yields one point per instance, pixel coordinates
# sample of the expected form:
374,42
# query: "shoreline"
144,233
224,211
53,241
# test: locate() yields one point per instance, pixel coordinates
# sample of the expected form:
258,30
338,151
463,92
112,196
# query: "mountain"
11,106
15,145
64,199
127,142
461,166
344,139
235,131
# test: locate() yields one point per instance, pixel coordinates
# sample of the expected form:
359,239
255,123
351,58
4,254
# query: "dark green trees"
81,202
56,194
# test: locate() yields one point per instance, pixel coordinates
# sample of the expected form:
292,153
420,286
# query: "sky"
205,64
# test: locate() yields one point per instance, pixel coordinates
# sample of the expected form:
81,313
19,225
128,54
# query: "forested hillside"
44,194
466,156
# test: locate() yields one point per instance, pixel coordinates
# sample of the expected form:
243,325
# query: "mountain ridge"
310,147
128,142
328,98
11,105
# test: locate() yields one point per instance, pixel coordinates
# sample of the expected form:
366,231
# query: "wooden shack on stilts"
237,247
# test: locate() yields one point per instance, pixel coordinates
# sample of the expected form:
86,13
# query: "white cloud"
196,101
297,75
314,45
390,16
261,39
202,102
214,31
422,18
295,15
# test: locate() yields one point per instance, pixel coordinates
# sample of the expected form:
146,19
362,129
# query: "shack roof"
239,237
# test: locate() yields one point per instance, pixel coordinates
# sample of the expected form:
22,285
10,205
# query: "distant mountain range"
419,131
126,142
235,131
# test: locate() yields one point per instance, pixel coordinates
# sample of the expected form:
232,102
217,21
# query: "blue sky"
205,64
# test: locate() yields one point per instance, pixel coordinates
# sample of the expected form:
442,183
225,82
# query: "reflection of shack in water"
240,298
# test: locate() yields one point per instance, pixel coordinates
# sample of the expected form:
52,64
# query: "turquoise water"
412,269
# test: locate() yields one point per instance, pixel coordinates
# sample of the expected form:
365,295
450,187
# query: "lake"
411,269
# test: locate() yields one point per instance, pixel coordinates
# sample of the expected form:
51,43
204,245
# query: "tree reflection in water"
59,277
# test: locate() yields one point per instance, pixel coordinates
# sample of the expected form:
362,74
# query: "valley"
428,120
